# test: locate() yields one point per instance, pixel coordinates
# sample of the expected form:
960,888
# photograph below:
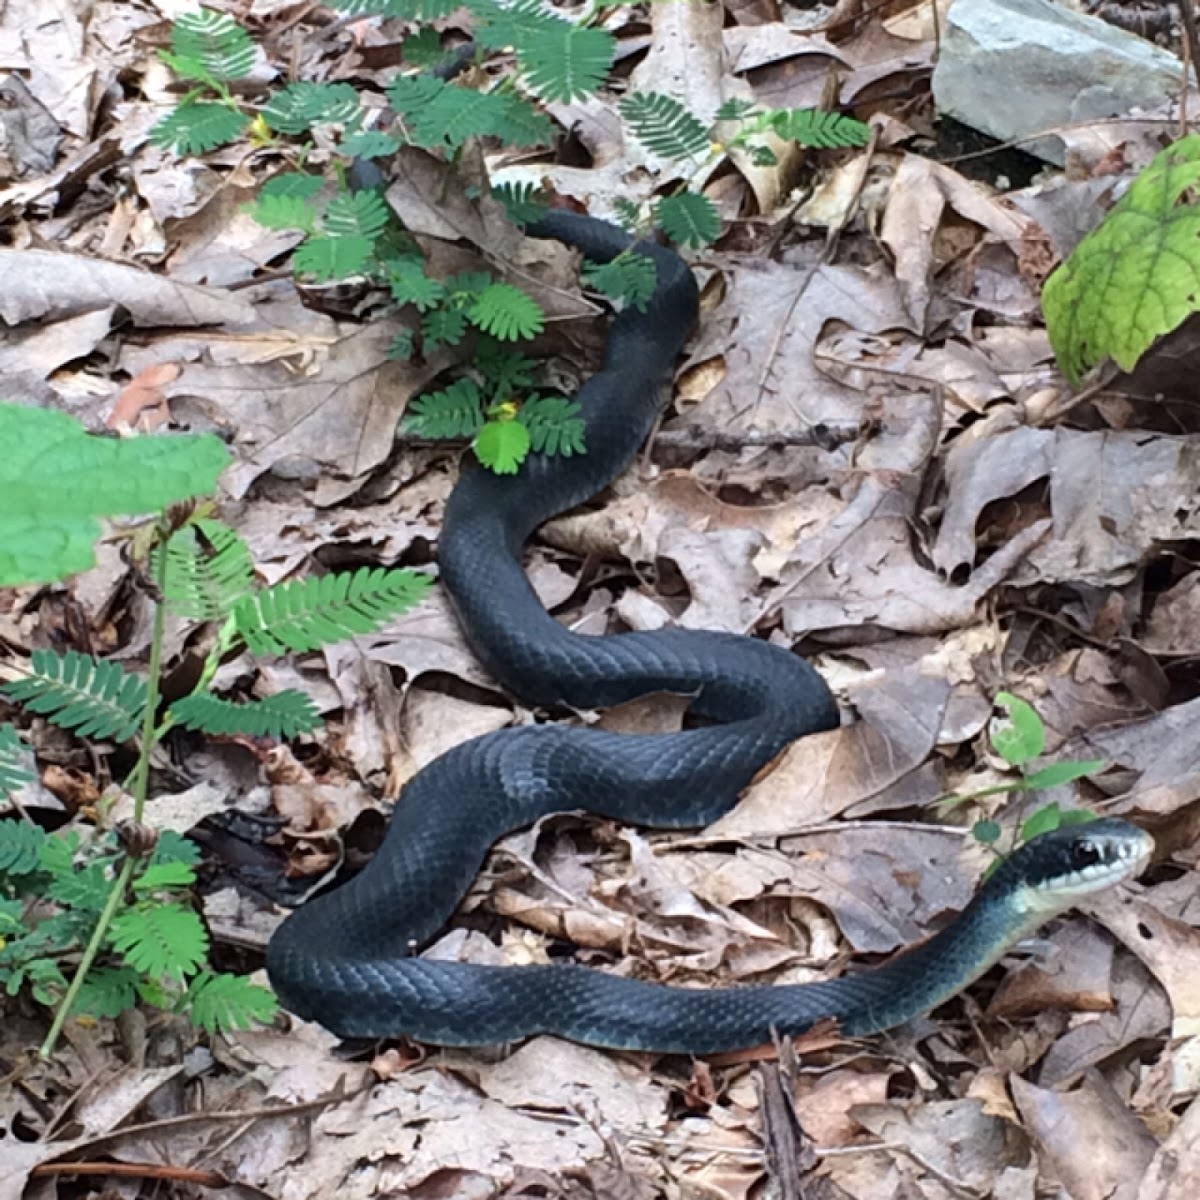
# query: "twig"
1191,41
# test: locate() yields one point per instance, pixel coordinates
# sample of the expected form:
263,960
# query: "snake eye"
1084,854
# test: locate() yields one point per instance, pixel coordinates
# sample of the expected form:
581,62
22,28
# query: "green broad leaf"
1137,276
21,845
555,425
107,992
215,41
283,715
1047,818
46,529
1023,738
410,285
225,1003
819,129
455,412
208,566
296,108
664,126
160,940
198,127
95,699
507,313
502,446
628,280
326,258
1056,774
307,614
565,62
987,833
689,219
15,760
164,876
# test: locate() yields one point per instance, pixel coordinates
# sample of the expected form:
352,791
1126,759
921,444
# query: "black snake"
346,959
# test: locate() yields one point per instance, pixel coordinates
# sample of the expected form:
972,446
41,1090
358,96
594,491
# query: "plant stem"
138,781
89,956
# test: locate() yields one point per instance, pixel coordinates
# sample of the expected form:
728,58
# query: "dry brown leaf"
1097,1147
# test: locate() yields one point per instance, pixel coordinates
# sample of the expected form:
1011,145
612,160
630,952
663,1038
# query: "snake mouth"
1072,863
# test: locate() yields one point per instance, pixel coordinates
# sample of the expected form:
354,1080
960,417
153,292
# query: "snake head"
1061,868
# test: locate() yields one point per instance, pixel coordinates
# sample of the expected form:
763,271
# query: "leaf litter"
889,495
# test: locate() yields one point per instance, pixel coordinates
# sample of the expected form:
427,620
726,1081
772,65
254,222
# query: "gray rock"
1010,68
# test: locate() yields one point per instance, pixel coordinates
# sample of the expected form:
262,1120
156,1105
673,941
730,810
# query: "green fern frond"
198,127
403,346
208,46
296,108
307,614
735,109
167,876
555,425
456,411
96,699
326,258
107,992
627,213
225,1003
507,313
443,327
287,201
664,126
523,202
173,847
439,114
410,285
689,219
817,128
405,10
15,757
357,214
208,566
283,715
162,941
628,279
369,143
21,845
565,62
506,370
84,889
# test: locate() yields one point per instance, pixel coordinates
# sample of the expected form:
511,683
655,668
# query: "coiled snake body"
345,959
